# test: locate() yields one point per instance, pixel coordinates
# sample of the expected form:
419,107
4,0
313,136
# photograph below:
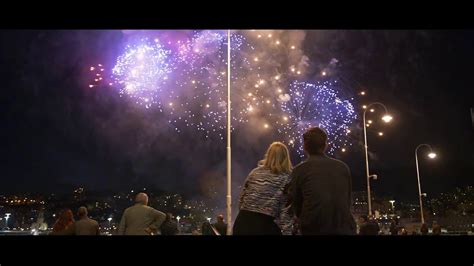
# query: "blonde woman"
262,199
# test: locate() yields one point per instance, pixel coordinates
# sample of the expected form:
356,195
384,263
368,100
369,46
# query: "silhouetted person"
393,228
85,225
403,232
169,226
64,225
321,189
220,225
140,219
368,227
436,228
208,230
424,229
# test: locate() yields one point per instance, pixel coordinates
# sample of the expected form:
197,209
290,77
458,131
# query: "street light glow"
387,118
432,155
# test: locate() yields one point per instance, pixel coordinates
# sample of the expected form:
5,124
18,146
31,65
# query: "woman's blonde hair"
277,159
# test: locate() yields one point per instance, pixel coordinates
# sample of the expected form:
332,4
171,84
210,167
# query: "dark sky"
54,133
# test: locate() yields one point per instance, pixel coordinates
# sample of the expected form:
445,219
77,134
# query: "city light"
380,133
432,155
362,93
387,118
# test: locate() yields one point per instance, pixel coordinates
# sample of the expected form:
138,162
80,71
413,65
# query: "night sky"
57,134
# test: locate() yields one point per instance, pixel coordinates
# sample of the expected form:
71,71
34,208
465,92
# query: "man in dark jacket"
169,227
220,226
368,227
320,190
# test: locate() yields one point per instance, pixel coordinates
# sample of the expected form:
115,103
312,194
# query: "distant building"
359,203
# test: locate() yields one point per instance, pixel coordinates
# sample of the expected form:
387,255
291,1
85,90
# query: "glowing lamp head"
431,155
323,73
380,133
372,110
343,150
387,118
364,106
265,126
362,93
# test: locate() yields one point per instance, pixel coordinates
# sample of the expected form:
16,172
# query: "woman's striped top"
263,192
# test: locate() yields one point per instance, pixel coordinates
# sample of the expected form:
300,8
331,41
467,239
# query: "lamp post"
7,216
177,219
229,178
393,206
431,155
386,118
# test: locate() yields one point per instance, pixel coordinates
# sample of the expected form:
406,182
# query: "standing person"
85,225
140,219
393,228
424,229
169,226
368,227
262,196
436,228
220,225
208,230
65,223
320,190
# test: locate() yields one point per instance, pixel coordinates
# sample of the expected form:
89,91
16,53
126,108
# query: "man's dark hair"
315,140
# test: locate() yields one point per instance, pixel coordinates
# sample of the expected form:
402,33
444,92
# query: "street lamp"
7,216
431,155
208,219
386,118
110,220
393,206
